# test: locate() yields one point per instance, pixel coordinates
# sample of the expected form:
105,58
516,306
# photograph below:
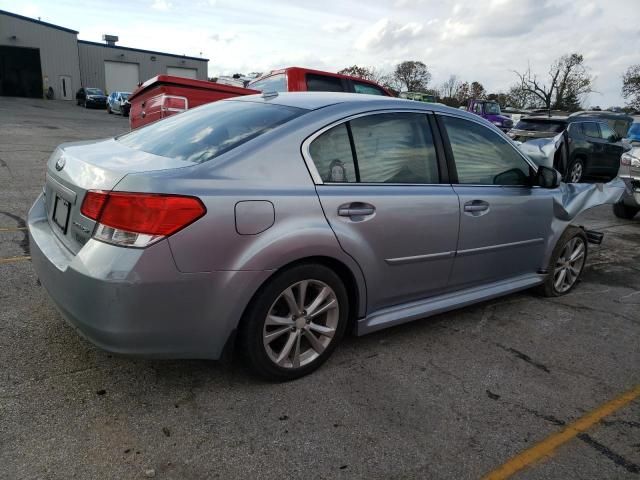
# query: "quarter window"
323,83
385,148
482,157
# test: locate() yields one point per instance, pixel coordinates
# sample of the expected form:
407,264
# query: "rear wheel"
576,171
294,323
109,111
621,210
567,263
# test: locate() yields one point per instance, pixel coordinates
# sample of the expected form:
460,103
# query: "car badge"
60,163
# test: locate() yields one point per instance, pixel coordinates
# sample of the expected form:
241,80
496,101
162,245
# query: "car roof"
317,100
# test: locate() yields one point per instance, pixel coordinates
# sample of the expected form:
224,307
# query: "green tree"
631,86
412,76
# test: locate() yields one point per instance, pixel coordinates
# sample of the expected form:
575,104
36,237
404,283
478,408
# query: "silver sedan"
274,223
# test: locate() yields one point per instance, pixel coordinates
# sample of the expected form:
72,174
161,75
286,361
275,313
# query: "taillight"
139,219
172,104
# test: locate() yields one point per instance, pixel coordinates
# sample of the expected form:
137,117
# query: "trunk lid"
74,168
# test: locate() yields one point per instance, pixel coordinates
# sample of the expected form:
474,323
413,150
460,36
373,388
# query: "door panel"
504,240
405,247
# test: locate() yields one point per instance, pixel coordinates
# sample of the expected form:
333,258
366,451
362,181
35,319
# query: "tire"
621,210
571,241
575,173
275,359
109,111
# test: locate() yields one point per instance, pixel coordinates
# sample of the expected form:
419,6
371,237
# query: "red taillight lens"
137,219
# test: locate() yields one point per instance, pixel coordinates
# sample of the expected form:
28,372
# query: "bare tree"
449,87
369,73
412,76
568,80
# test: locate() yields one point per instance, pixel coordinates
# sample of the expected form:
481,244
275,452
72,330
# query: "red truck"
165,95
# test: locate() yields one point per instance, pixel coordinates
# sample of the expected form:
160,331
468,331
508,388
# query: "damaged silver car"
274,223
629,205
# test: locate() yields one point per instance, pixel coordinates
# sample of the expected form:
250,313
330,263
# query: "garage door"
183,72
20,73
121,77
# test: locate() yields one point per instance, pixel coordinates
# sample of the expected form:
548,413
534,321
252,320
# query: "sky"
482,40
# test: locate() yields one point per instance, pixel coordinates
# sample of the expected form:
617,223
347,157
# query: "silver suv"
274,223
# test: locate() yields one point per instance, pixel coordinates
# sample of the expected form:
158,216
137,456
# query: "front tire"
576,171
626,212
295,322
567,262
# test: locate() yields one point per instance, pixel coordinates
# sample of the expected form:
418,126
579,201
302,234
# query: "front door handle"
476,207
356,209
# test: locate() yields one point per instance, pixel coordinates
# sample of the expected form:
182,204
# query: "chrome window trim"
311,166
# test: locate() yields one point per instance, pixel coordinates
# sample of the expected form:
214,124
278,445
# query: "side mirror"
548,177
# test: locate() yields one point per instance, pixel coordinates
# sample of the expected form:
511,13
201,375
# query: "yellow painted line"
12,229
14,259
547,446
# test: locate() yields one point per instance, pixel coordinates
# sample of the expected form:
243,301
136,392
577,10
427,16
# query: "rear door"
378,178
597,162
612,150
504,222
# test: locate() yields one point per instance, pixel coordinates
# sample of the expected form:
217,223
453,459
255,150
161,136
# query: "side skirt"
408,312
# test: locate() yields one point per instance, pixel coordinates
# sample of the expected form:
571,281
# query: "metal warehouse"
36,55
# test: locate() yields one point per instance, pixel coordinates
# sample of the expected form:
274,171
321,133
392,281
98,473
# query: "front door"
65,87
504,221
379,186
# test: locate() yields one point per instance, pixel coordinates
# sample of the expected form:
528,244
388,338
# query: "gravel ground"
451,397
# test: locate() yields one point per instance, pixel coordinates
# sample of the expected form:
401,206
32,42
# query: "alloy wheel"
569,264
576,172
301,324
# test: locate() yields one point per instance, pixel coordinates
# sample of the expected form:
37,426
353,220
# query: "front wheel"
621,210
567,263
295,322
576,171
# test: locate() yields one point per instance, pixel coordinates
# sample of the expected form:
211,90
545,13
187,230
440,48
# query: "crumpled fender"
572,199
542,150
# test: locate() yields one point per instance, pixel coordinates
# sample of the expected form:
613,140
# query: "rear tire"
563,272
621,210
294,322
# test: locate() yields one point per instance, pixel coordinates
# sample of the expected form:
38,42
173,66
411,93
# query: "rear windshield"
541,126
203,133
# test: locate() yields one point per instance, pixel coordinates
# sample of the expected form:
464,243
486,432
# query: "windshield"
491,108
203,133
541,126
94,91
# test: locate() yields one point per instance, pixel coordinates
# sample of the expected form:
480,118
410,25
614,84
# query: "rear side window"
385,148
606,132
482,157
274,83
323,83
203,133
360,87
590,129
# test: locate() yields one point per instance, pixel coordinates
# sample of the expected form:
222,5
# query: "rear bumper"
134,301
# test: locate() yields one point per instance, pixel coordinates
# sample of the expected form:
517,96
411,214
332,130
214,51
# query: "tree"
462,93
369,73
568,81
631,86
449,87
477,90
412,76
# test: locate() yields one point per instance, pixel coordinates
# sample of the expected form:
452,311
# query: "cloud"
162,5
386,34
337,27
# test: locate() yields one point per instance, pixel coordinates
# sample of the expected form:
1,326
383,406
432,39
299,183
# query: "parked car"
298,79
418,96
577,146
629,204
165,95
116,102
490,110
633,134
91,97
273,223
618,122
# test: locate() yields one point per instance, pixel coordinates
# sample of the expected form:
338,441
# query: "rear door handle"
356,209
476,207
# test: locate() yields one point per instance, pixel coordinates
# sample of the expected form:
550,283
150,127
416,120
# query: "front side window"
386,148
323,83
203,133
477,108
361,87
274,83
590,129
482,157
